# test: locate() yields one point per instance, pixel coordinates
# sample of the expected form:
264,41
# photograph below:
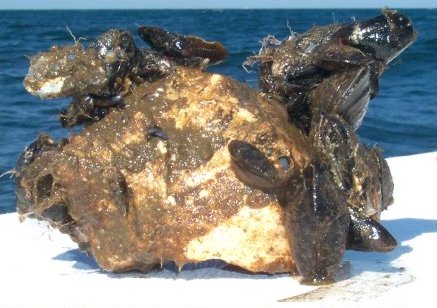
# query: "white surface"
42,267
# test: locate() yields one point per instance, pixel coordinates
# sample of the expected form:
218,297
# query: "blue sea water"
402,119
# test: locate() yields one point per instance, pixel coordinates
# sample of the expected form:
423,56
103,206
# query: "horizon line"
218,9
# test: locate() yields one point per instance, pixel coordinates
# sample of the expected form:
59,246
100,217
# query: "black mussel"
385,178
35,184
43,143
317,223
181,46
87,109
366,234
384,36
255,169
152,65
117,50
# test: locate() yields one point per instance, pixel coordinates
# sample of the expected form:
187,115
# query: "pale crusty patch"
195,114
216,79
199,109
97,150
135,131
219,162
254,239
246,115
147,183
46,89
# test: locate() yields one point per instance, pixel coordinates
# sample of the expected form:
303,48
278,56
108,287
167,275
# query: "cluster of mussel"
98,76
325,77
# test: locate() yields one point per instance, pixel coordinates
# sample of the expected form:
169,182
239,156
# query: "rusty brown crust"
135,200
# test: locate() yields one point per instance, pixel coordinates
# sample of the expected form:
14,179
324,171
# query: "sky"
202,4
